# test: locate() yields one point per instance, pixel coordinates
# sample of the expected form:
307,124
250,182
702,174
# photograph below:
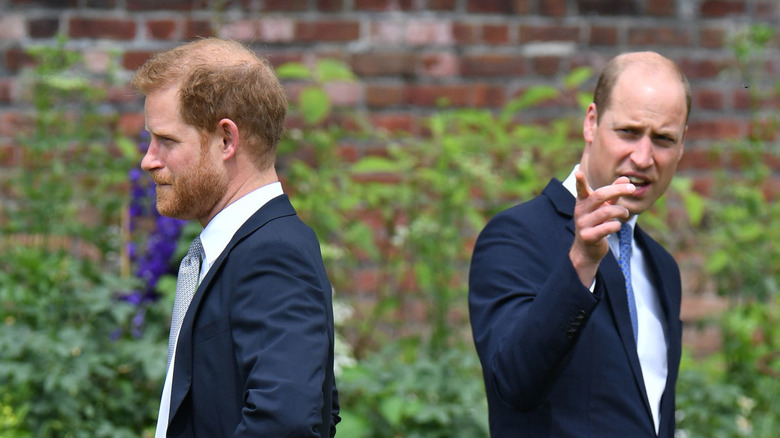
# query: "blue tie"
626,235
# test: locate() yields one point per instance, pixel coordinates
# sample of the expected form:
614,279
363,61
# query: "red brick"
495,34
278,58
721,8
666,36
330,5
553,8
702,341
430,95
695,159
521,7
718,129
702,306
549,33
603,36
712,38
198,28
285,5
429,32
702,68
490,6
16,59
488,96
161,29
742,98
383,5
394,122
101,4
6,85
131,124
464,33
443,64
102,28
607,7
132,60
43,27
442,5
348,94
708,99
54,4
171,5
384,64
546,65
383,96
328,30
491,65
661,8
767,8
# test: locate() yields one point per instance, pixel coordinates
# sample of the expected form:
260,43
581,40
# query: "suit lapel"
615,291
182,375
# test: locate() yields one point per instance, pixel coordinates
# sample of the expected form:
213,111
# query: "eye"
665,139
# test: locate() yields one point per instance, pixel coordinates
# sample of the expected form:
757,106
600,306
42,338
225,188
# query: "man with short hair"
575,310
251,346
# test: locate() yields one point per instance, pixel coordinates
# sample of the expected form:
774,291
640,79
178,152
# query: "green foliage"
70,367
399,392
707,406
738,395
406,218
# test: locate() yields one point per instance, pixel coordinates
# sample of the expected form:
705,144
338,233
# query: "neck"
240,186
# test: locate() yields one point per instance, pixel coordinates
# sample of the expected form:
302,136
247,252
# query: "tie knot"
195,248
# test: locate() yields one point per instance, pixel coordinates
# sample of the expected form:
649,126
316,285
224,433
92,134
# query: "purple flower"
152,250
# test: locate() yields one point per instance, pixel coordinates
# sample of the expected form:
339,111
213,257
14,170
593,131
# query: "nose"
151,160
642,155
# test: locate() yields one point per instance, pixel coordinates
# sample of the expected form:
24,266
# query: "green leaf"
314,104
375,164
293,70
392,409
127,148
328,70
577,77
353,425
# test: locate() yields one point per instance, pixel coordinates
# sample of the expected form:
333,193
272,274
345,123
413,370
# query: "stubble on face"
194,192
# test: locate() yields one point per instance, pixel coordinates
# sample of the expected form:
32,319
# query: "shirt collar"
220,230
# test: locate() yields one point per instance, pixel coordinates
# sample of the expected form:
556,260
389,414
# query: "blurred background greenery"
88,267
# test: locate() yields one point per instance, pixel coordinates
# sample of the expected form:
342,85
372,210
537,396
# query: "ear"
590,124
682,143
228,133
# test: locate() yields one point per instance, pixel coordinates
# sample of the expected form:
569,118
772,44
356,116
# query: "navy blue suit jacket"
558,360
255,351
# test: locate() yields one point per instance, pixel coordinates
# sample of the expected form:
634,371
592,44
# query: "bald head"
646,63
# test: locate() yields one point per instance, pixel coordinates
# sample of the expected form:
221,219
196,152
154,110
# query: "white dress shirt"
215,238
651,342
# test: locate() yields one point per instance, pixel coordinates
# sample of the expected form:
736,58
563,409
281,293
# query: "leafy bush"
73,362
735,393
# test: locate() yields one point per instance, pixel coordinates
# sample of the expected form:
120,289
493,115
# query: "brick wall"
410,54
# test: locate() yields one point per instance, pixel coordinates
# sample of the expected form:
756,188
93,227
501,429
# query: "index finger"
583,189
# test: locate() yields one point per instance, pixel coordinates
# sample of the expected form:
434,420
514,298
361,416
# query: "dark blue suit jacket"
558,360
255,351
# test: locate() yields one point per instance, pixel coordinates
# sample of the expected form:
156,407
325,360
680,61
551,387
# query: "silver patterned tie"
186,284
